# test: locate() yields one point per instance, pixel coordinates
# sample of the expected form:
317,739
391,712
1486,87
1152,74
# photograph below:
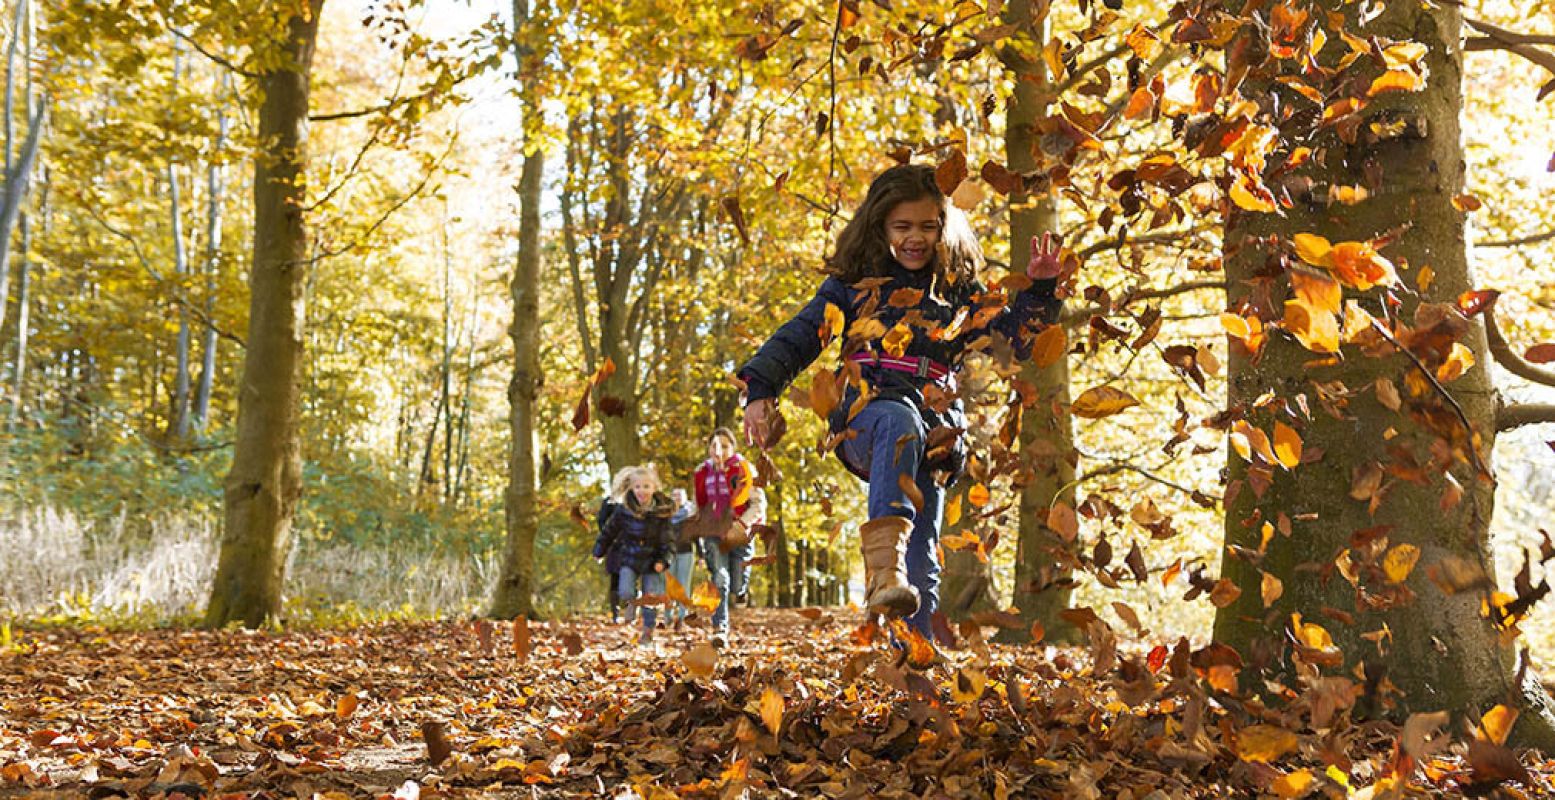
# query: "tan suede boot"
885,567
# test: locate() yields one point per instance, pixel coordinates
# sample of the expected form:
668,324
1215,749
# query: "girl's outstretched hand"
764,424
1045,259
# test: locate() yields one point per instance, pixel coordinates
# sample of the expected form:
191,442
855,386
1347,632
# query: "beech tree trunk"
1046,439
1438,650
266,478
515,588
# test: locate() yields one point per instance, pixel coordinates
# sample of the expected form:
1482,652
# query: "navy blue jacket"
795,345
611,556
636,537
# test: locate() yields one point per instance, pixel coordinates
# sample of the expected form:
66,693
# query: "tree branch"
1543,58
220,60
1520,414
1508,358
1510,37
1520,241
178,295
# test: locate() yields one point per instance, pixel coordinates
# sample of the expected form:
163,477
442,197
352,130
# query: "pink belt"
915,365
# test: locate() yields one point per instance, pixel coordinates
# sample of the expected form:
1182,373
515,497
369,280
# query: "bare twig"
1520,241
177,294
220,60
1510,37
1430,376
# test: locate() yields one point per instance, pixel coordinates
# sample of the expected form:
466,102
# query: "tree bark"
215,182
180,400
1046,438
266,478
515,588
1439,652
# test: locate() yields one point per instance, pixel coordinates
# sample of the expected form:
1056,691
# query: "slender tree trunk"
180,401
448,364
266,478
24,277
426,477
515,588
1046,438
1439,652
464,404
215,182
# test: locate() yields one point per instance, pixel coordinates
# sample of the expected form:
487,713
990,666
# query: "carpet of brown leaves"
800,705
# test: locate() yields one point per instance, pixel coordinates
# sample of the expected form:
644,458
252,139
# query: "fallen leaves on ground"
798,705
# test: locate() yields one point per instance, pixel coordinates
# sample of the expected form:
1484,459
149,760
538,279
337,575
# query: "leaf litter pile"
802,704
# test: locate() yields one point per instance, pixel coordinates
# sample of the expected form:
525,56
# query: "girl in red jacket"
726,493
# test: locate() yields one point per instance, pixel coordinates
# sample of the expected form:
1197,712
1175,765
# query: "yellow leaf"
1458,362
835,322
1399,562
1271,589
1396,80
772,709
706,597
1264,743
1348,195
1247,329
1310,635
1050,345
953,510
1497,723
1425,278
1102,401
1292,785
1287,445
1319,291
1404,54
1316,329
896,340
1313,249
1251,196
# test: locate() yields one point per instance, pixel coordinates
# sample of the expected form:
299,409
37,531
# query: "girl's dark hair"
863,249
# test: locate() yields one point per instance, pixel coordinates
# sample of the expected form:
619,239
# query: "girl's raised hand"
1045,257
764,424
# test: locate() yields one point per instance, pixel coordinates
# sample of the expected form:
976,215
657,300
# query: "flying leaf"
834,323
1272,587
1396,80
1287,445
1049,346
1399,562
1061,518
1100,402
1264,743
1313,249
951,172
953,510
700,660
1473,302
772,709
1292,785
1540,353
978,495
706,597
1497,723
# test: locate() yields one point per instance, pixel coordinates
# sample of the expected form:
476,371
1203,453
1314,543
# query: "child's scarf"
726,486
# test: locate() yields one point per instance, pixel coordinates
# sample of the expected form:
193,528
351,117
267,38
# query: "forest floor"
799,705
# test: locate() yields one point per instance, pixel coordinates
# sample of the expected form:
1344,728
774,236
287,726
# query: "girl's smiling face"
913,230
721,448
643,488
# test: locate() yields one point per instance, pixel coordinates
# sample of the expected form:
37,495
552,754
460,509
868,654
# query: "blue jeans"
652,583
729,573
874,451
680,567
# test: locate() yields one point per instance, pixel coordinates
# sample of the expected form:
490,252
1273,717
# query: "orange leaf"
1497,723
833,324
1317,290
1225,593
1100,402
1050,345
1540,353
1467,203
1061,518
706,597
1252,195
1399,562
1313,249
978,495
1316,329
896,340
1396,80
700,660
